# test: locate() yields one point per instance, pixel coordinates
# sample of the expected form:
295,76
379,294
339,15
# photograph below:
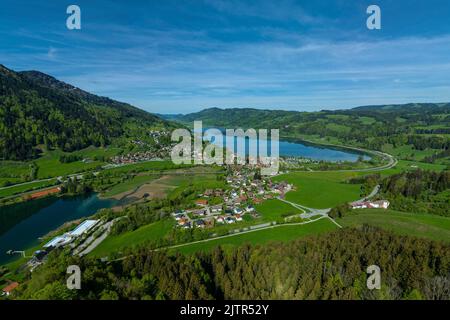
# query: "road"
372,194
240,233
25,183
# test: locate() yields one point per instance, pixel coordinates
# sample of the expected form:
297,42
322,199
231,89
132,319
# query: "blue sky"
182,56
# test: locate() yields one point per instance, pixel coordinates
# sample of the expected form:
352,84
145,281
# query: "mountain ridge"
37,109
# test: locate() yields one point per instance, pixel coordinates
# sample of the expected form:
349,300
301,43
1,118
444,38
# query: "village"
233,204
160,149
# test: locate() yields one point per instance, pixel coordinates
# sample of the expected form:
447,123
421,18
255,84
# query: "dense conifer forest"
331,266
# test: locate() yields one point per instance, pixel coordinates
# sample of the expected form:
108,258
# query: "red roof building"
9,288
202,202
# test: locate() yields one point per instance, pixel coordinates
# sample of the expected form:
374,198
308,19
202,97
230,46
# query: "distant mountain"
37,109
259,118
240,117
422,107
170,116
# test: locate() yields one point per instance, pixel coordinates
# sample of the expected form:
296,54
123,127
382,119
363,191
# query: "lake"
24,223
299,149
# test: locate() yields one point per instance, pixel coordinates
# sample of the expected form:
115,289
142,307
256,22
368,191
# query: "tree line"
329,266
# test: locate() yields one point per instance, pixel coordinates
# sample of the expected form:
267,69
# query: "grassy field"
129,185
49,165
414,165
200,178
14,169
146,233
275,210
280,233
406,165
408,152
8,181
413,224
321,189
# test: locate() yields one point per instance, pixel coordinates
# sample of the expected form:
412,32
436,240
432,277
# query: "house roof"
10,287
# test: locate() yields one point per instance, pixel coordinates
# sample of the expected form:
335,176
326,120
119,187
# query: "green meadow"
129,185
150,232
276,210
321,189
50,166
408,152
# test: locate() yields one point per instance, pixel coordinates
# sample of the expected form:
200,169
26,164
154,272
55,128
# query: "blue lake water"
296,149
33,219
316,152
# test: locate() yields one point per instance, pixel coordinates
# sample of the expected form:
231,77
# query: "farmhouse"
201,202
10,288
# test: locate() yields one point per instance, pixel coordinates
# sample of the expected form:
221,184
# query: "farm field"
129,185
276,210
280,233
321,189
420,225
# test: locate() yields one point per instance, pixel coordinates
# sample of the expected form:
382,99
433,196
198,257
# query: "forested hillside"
420,191
36,109
331,266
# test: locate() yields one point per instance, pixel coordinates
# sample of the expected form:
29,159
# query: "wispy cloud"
231,60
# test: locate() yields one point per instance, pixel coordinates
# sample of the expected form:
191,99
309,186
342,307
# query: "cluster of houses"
296,160
157,151
134,157
380,204
231,205
158,135
207,216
